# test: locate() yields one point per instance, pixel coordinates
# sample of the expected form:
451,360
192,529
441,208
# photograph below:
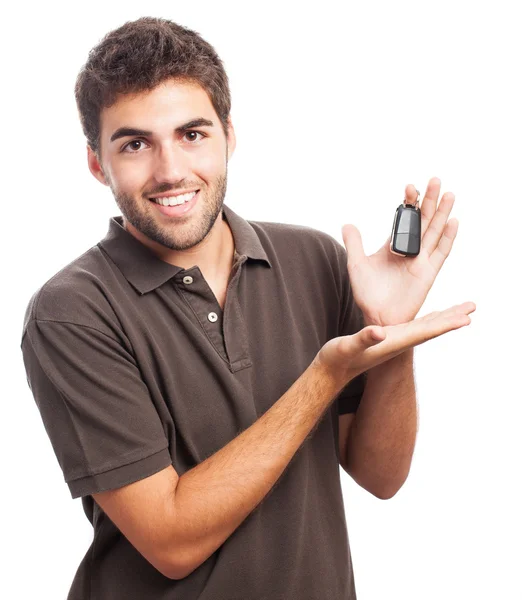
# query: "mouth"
188,203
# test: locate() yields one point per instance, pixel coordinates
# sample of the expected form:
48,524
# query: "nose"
171,164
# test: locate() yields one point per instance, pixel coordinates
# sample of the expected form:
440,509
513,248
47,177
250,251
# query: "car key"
406,230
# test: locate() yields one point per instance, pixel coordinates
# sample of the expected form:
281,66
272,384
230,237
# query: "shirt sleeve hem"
120,476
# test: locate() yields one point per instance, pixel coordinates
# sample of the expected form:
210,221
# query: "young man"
202,377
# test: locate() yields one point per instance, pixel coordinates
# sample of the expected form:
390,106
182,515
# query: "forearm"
213,498
382,437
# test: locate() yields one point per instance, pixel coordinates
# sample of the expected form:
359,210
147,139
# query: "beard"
178,235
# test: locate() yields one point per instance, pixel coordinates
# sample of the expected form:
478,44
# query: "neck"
214,256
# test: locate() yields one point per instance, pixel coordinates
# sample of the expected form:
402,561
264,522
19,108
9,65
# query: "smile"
174,200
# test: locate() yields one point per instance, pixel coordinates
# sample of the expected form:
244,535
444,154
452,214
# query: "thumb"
369,336
352,345
353,242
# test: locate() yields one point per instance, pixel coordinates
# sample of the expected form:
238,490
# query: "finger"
363,339
431,315
376,334
452,318
414,333
353,242
429,203
369,336
441,252
437,224
404,336
463,308
410,194
447,320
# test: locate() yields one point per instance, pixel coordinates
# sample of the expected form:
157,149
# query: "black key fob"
406,230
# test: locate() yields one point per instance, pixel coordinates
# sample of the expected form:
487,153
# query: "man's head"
156,76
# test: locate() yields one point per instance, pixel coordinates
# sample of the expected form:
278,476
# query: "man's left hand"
391,289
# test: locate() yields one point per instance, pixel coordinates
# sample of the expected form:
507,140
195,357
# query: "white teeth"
174,200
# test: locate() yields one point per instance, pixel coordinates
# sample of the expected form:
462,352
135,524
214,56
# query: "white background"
336,107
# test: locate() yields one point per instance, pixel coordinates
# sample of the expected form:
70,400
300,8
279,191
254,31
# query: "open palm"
391,289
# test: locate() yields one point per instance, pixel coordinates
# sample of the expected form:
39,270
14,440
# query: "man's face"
137,166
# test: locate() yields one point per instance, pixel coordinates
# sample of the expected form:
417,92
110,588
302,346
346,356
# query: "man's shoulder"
286,237
75,294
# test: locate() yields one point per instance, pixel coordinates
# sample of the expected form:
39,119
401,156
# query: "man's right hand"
347,356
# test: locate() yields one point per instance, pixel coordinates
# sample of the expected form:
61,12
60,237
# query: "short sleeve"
95,406
351,322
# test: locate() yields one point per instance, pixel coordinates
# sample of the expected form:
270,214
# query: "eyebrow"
130,131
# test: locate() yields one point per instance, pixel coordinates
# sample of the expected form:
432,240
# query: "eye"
138,141
129,143
195,132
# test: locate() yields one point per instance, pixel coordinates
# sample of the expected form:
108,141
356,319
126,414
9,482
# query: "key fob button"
407,244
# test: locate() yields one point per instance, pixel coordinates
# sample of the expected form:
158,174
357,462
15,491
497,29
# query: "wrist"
337,379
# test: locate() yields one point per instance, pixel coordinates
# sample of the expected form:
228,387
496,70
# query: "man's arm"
377,442
211,500
178,522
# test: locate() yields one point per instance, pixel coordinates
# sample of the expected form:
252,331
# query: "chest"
219,289
215,355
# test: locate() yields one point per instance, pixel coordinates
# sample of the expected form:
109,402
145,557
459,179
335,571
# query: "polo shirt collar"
145,271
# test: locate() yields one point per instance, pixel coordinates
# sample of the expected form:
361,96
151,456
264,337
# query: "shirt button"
187,279
212,317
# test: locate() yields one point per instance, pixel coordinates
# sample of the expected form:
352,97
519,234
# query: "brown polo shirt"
133,366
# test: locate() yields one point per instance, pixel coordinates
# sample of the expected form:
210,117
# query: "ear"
94,166
231,138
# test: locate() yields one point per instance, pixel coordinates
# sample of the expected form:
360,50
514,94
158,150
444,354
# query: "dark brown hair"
138,56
